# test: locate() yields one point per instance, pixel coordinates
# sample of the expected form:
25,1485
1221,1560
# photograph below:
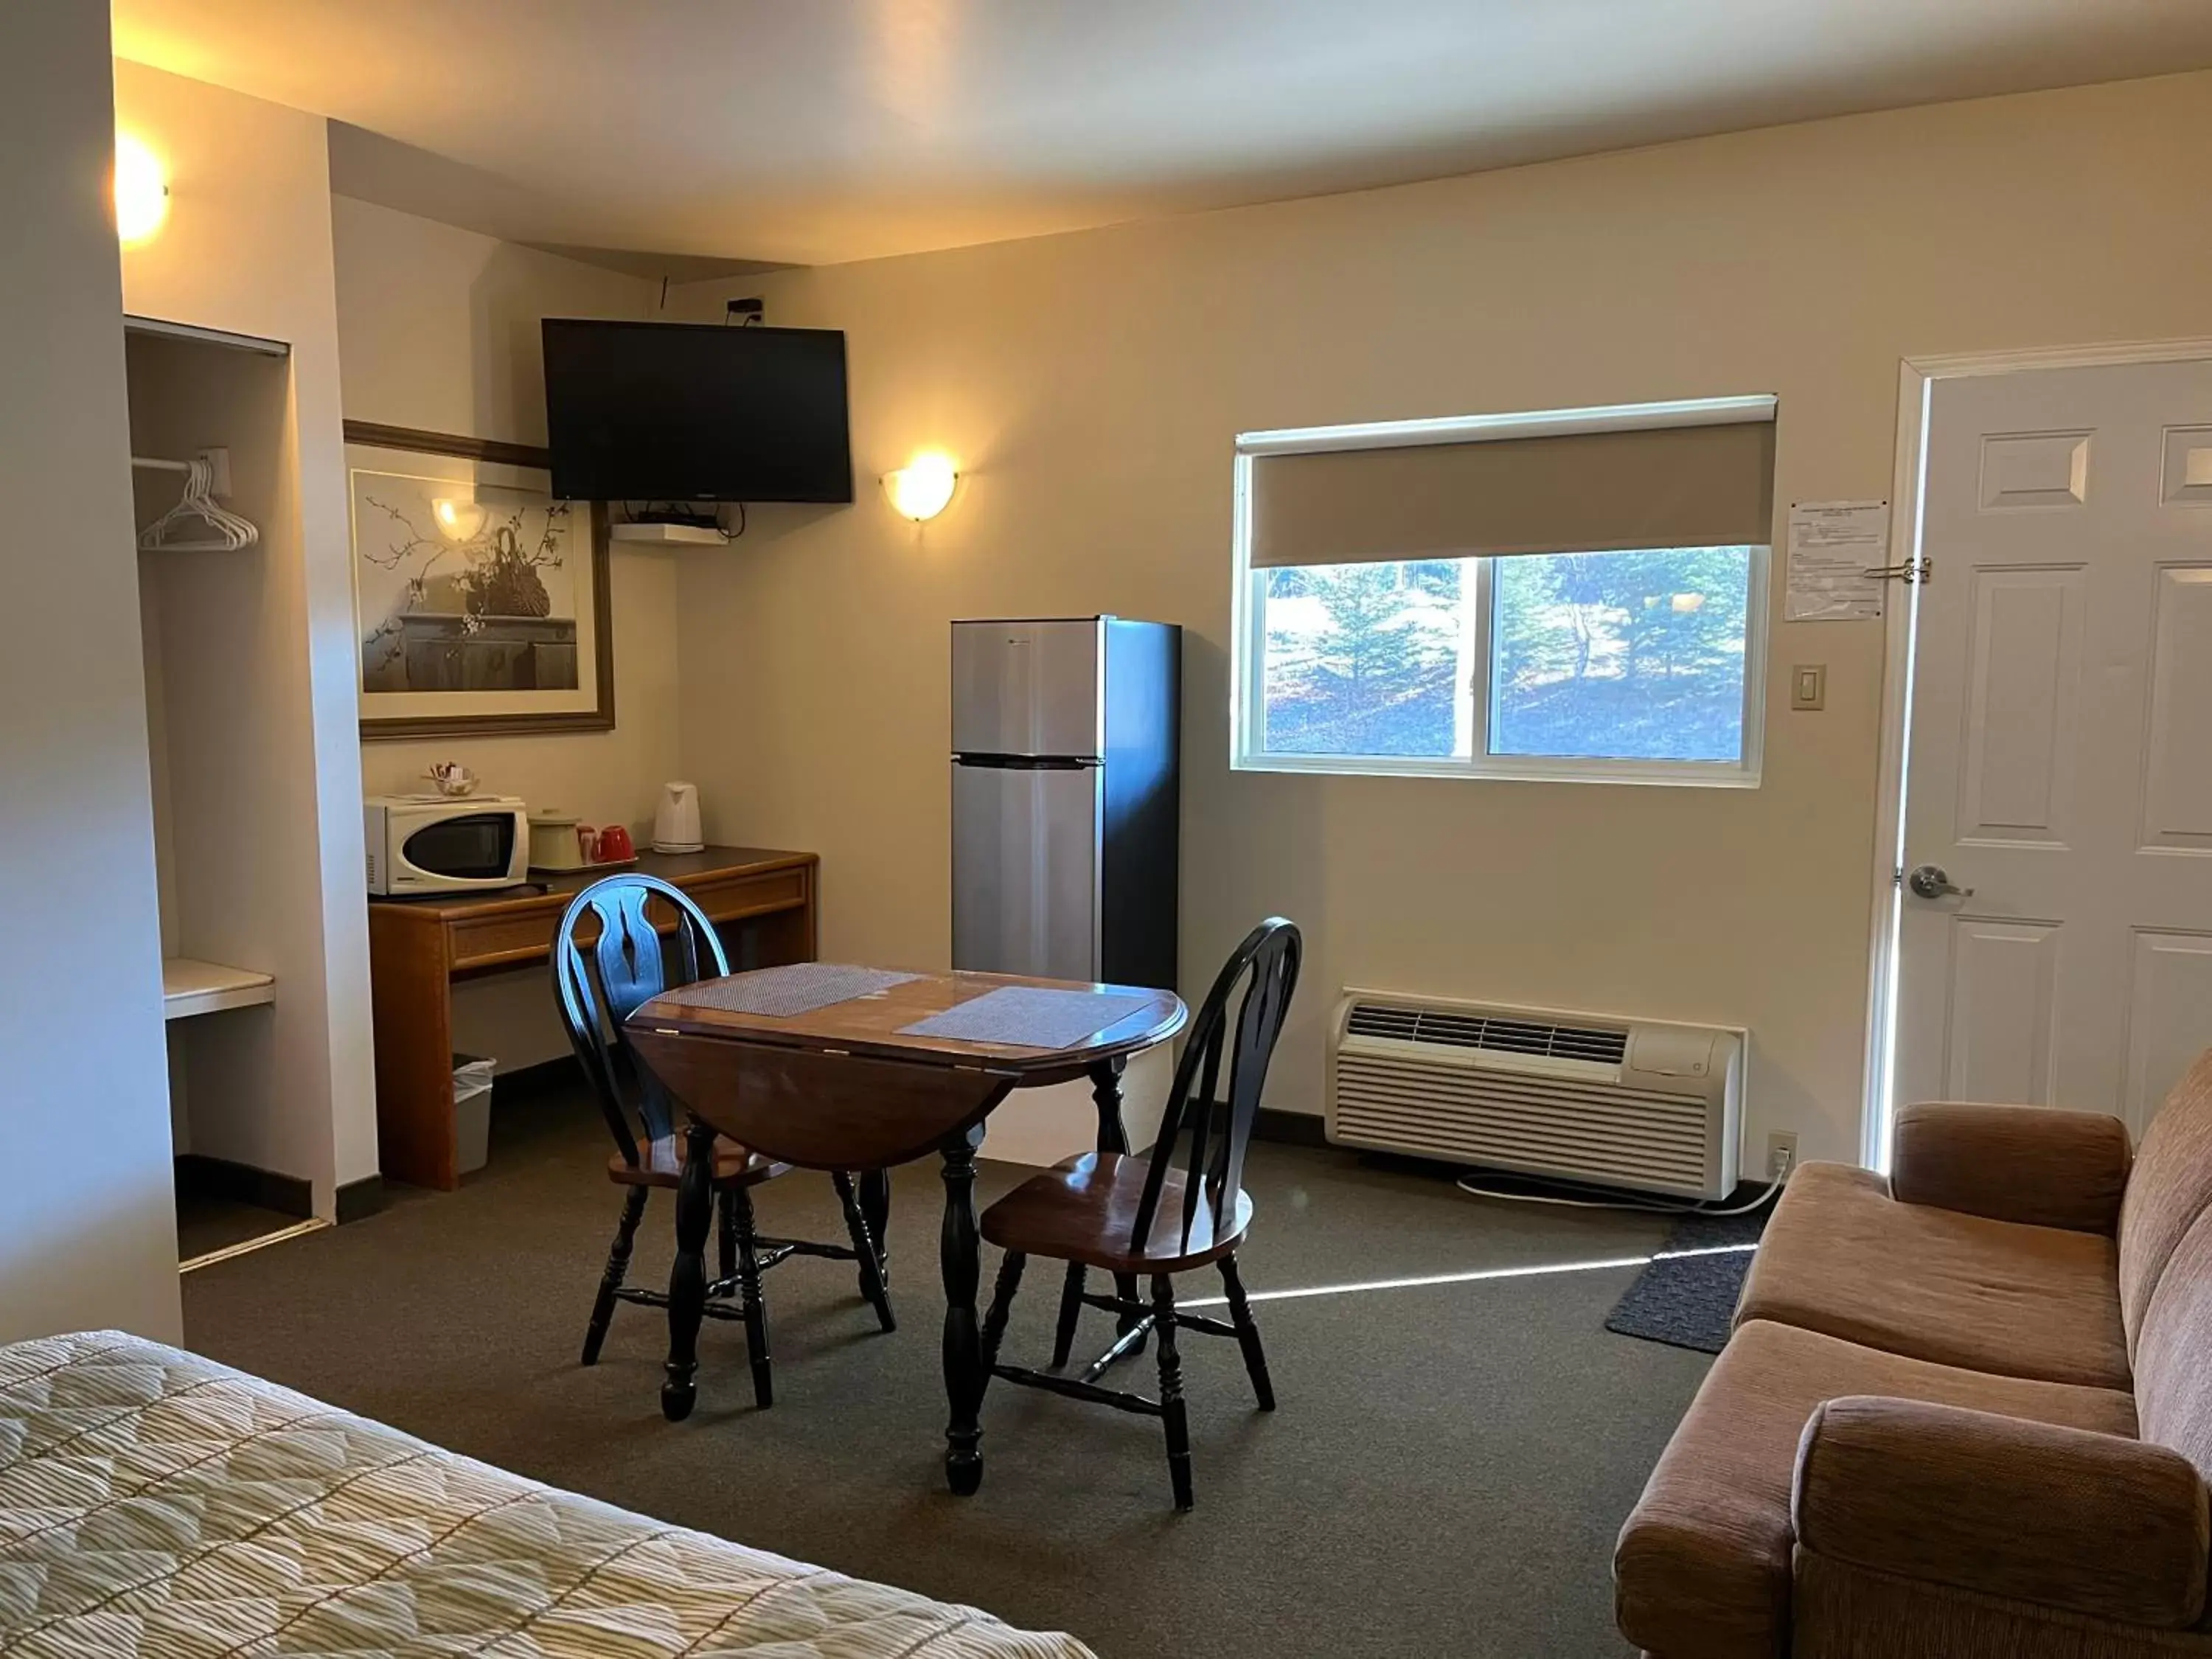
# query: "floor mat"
1687,1295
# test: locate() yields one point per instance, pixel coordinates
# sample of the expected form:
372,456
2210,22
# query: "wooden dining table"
846,1087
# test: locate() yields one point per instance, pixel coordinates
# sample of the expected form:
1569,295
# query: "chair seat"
1085,1210
662,1164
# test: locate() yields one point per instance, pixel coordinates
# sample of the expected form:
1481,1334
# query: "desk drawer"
484,941
726,898
527,934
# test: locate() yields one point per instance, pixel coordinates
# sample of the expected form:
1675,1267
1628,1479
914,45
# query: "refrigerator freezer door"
1027,688
1025,870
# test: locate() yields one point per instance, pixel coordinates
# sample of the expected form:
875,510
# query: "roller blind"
1572,492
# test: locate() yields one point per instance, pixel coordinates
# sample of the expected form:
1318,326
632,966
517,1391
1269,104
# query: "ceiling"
736,132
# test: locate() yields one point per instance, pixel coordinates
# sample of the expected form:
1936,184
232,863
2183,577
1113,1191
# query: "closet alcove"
228,739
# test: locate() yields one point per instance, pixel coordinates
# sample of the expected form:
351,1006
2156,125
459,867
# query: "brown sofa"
1967,1411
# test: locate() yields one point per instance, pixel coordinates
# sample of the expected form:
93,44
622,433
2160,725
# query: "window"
1626,664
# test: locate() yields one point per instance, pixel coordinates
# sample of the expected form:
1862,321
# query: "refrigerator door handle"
1026,762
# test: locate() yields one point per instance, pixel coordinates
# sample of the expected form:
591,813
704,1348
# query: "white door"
2060,766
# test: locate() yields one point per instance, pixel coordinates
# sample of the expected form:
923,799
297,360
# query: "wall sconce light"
920,489
458,521
142,191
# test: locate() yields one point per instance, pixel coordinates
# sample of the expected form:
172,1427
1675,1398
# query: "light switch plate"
1808,685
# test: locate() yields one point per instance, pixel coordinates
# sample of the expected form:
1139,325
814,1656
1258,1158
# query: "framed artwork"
480,603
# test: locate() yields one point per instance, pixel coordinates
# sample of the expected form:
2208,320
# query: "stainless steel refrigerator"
1066,798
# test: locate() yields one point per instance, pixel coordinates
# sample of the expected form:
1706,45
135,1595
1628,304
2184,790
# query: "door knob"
1933,881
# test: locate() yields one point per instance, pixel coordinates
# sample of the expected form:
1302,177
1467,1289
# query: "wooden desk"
844,1088
418,947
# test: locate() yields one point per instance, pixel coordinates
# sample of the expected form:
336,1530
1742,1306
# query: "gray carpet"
1445,1475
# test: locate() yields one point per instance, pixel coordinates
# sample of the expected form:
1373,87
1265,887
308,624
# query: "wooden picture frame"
580,708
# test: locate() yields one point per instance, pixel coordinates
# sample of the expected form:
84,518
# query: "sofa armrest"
2091,1523
2027,1163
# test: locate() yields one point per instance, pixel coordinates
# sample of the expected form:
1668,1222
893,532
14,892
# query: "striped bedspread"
156,1505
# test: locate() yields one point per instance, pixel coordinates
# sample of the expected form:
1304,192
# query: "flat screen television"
693,412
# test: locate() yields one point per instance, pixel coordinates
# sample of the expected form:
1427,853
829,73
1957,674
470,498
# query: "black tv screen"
693,412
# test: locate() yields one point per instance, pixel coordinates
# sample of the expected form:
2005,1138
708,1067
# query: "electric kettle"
676,825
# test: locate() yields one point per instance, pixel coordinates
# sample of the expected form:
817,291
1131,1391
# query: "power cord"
728,535
1473,1188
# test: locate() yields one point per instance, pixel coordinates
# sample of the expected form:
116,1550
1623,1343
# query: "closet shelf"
190,987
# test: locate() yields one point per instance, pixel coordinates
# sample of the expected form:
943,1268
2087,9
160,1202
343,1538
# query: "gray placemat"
797,989
1028,1016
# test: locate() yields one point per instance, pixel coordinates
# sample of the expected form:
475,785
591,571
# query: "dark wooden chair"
1129,1216
598,981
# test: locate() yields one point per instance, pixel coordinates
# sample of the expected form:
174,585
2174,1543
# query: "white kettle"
676,825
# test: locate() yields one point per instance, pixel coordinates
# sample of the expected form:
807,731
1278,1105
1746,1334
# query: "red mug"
615,845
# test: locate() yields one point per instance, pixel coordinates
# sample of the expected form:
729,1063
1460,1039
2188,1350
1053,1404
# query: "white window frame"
1248,636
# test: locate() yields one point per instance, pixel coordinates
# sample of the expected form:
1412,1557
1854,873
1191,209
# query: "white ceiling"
812,130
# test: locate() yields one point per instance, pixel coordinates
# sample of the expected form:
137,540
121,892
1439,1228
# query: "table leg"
687,1279
960,1259
1114,1137
876,1210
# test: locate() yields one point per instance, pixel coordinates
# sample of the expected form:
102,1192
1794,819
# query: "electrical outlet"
1781,1154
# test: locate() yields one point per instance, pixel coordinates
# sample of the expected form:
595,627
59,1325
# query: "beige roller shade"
1575,492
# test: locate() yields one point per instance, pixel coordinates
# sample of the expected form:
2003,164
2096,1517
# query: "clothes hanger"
197,508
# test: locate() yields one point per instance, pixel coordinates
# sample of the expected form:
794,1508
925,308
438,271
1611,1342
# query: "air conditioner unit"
1618,1102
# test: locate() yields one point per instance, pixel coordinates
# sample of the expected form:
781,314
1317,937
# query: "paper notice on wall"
1834,546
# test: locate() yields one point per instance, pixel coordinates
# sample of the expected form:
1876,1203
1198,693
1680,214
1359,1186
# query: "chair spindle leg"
755,1306
865,1249
1002,1304
1172,1407
1248,1333
1070,1311
876,1205
602,1307
729,1236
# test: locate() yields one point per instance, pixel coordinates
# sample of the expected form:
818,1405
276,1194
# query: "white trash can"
471,1113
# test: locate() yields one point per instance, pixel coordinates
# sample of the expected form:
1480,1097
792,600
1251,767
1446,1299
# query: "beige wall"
246,249
89,1238
1092,384
438,330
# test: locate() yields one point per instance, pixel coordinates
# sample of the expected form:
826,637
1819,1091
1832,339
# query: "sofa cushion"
2169,1189
1841,1256
1702,1570
2027,1164
2174,1358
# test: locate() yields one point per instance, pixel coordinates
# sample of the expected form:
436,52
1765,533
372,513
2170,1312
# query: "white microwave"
436,844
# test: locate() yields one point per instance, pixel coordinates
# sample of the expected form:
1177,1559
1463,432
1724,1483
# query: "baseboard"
359,1200
1291,1128
201,1177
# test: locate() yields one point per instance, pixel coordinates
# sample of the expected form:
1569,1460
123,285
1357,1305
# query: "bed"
154,1504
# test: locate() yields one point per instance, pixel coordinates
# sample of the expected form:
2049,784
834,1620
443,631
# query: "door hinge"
1921,571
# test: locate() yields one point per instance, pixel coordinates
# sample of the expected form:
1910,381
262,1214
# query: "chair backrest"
1219,1130
600,985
